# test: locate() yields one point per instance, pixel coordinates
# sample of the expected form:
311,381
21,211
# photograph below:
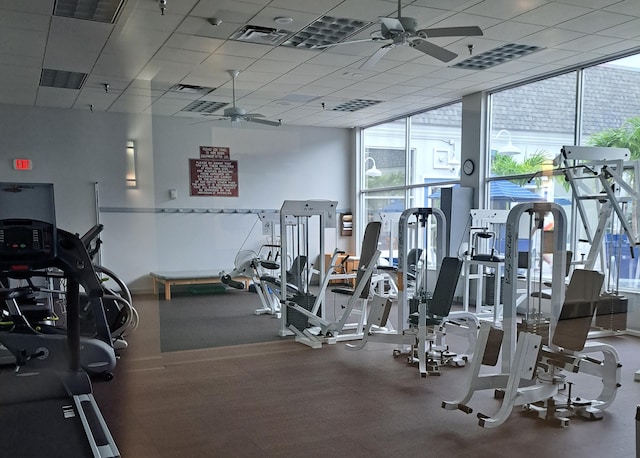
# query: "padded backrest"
581,299
368,249
445,288
412,259
294,274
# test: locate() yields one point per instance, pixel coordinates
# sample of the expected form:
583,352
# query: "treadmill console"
22,239
28,234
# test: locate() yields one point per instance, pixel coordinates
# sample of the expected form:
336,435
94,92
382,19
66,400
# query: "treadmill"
46,399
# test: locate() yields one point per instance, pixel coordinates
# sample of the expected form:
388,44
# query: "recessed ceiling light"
496,56
282,20
355,105
62,79
92,10
203,106
326,30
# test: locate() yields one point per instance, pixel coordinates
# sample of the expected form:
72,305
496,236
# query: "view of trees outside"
610,102
529,125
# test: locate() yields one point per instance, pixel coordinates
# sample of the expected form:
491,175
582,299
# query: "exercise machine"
311,325
423,309
540,373
48,382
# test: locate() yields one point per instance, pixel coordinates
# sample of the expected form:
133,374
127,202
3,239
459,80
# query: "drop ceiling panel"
236,48
222,62
265,18
554,13
145,53
56,97
510,31
504,9
200,26
287,54
164,71
193,43
630,7
142,43
551,37
296,79
131,104
18,95
591,3
142,19
596,21
620,47
175,7
464,19
588,43
19,20
227,10
318,6
273,66
119,65
16,75
370,10
44,7
100,100
184,56
335,59
20,42
75,45
629,29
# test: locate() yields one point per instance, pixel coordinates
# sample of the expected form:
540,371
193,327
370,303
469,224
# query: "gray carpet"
194,321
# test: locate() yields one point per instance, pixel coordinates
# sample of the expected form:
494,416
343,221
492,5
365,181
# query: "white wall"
75,149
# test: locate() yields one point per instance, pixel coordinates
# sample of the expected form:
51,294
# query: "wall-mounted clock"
468,167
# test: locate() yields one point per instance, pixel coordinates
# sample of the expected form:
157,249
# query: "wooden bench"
188,277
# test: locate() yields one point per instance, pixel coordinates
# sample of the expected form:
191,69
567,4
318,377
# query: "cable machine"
295,225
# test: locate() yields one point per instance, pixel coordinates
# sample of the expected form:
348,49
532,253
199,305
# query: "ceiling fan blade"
471,31
264,121
391,24
375,58
436,51
254,115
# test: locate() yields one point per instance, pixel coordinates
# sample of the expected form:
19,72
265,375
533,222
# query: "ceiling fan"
404,31
236,114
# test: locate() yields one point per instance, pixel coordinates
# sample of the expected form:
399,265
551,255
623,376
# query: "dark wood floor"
282,399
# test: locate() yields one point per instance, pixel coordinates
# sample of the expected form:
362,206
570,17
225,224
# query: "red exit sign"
22,164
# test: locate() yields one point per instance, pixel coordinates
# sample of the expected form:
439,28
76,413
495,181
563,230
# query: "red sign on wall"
209,177
215,152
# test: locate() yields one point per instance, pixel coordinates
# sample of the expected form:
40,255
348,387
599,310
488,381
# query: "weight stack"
611,313
299,320
489,290
537,327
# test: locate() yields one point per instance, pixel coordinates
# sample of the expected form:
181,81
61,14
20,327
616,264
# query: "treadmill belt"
50,428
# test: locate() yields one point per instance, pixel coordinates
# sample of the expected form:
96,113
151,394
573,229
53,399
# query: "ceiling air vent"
326,30
496,56
92,10
189,89
261,35
62,79
203,106
355,105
